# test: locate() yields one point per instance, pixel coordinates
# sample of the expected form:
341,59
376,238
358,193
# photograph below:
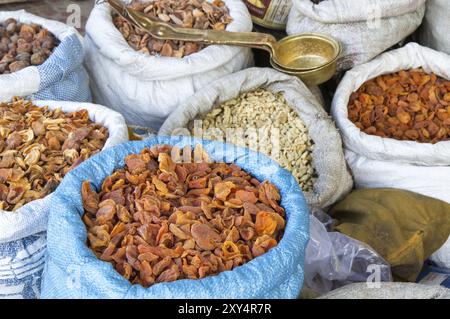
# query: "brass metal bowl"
312,57
314,76
306,51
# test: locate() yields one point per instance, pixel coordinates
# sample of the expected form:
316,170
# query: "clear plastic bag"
333,259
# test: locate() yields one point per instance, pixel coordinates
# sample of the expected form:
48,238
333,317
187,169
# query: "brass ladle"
293,54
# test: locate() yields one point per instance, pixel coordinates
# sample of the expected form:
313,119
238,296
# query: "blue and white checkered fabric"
21,265
63,76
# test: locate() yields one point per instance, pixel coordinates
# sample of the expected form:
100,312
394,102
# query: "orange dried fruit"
230,250
166,164
263,244
246,196
265,223
135,164
160,186
205,237
222,190
106,211
89,197
413,106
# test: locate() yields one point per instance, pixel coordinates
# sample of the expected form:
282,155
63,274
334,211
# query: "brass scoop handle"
165,31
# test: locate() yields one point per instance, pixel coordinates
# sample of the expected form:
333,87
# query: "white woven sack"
436,26
333,181
61,77
384,162
22,237
365,28
146,89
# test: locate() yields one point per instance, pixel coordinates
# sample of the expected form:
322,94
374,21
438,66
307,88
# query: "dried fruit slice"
265,223
230,250
205,237
89,197
222,190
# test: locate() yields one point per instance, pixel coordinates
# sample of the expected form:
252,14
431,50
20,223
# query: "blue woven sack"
61,77
22,232
73,271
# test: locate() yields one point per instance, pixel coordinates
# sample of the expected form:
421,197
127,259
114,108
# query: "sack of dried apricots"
177,217
40,142
41,59
145,79
394,117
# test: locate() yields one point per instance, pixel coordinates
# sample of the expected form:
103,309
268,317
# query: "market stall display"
272,130
39,146
142,86
407,105
278,273
247,190
39,69
275,119
365,28
311,57
41,142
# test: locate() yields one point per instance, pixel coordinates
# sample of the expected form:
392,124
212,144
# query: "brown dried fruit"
230,250
17,66
197,14
263,244
154,224
205,237
23,45
222,190
246,196
106,211
407,105
265,224
31,137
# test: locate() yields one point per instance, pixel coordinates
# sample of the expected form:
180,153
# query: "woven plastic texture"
63,76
